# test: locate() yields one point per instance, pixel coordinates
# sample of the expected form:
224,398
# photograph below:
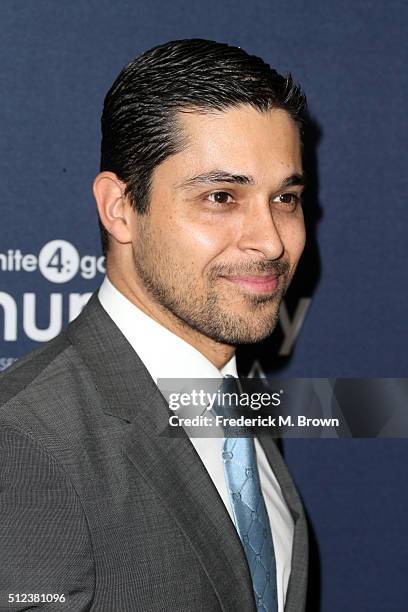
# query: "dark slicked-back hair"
139,126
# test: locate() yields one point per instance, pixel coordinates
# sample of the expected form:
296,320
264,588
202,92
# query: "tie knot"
227,400
230,384
228,406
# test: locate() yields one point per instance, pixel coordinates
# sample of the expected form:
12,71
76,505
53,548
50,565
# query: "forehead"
242,140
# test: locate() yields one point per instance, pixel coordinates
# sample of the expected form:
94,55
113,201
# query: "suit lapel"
169,464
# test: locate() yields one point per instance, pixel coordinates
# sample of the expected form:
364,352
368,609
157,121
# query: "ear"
113,206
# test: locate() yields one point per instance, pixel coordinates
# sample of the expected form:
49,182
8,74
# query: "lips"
257,283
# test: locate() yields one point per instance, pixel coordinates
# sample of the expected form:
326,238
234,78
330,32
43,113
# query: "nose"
260,232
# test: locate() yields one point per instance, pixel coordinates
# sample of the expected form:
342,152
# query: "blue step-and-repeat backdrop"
346,312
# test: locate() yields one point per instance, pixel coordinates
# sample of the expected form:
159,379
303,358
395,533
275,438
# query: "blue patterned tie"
249,511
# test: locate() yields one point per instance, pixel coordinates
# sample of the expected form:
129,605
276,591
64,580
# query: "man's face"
225,228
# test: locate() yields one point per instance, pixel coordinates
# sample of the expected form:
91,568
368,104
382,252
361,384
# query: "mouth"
256,283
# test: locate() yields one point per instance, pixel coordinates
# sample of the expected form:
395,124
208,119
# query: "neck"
217,353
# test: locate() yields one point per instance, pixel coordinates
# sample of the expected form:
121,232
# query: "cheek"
301,239
293,235
197,242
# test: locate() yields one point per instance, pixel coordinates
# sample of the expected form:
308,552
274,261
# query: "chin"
245,334
255,337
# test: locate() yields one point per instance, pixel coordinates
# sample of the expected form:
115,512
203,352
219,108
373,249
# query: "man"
199,201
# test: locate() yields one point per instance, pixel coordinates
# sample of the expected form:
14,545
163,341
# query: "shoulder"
30,368
46,391
51,364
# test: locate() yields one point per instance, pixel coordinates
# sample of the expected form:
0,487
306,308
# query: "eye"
220,197
290,200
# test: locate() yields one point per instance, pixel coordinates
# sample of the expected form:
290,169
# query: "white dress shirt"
166,355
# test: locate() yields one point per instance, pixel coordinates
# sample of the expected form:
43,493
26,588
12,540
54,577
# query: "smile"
257,284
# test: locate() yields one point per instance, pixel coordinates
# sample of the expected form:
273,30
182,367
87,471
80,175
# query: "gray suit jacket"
98,506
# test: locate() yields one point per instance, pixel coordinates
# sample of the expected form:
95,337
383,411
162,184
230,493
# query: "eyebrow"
220,176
